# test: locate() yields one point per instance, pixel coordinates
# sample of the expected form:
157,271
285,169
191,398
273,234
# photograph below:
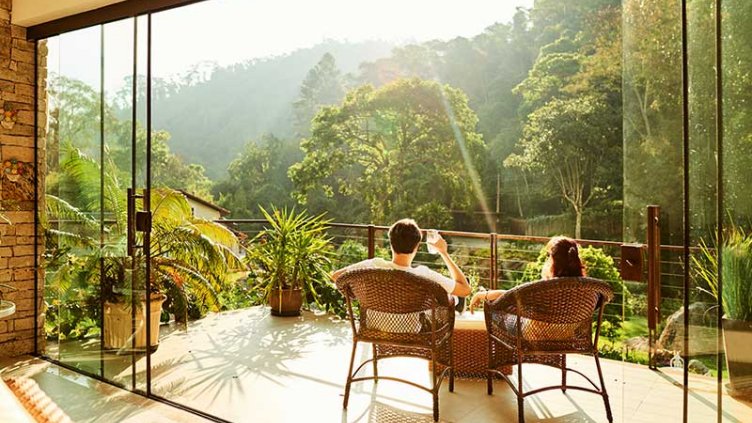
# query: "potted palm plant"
736,298
289,259
192,259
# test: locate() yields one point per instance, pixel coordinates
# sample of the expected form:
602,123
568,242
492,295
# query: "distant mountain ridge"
211,120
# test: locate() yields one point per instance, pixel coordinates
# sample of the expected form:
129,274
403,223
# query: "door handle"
138,220
143,221
131,222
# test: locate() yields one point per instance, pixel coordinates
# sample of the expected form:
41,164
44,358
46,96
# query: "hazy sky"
231,31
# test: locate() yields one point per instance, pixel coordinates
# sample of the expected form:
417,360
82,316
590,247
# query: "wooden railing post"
371,241
493,271
654,280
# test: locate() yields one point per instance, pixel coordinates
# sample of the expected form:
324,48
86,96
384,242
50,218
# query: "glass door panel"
94,286
653,163
735,253
74,202
121,299
703,354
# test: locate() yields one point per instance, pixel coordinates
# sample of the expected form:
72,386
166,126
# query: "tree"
75,124
74,116
569,143
571,103
171,171
737,52
395,148
321,87
258,176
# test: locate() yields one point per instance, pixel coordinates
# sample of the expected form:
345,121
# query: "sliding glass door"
96,228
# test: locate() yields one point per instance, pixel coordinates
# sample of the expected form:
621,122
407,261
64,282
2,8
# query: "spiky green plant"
736,256
292,252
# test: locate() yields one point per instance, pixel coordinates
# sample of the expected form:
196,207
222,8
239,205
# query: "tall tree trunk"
578,223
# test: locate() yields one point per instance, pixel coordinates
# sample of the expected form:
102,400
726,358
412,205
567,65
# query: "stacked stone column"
17,196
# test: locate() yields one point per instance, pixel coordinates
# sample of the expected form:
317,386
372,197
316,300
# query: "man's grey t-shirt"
380,263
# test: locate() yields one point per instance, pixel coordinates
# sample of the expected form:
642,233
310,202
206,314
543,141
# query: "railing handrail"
464,234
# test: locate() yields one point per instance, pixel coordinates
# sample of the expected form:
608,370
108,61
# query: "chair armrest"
501,315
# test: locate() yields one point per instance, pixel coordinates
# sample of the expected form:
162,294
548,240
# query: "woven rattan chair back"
556,310
394,303
392,291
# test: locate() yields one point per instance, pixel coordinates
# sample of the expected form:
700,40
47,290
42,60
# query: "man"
405,237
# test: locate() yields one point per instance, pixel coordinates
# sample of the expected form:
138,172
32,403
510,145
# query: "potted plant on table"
736,298
289,259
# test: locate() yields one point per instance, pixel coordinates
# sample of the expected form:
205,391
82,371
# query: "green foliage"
736,255
258,176
548,51
69,314
292,252
190,255
571,141
350,252
433,215
240,295
652,114
533,269
213,111
170,170
394,148
322,86
192,259
74,123
331,300
568,141
601,266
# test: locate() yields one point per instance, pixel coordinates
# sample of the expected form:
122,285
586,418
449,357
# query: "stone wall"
17,195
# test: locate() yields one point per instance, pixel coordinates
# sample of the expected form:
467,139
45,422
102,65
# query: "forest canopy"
522,122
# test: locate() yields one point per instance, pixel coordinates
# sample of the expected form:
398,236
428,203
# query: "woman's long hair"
563,259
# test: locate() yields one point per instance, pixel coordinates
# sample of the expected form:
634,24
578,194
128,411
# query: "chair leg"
349,375
435,406
520,392
375,365
489,374
451,367
609,416
434,389
564,373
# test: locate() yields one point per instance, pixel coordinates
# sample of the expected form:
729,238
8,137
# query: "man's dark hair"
404,235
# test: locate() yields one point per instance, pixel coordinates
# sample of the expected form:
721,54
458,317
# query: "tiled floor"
247,366
88,400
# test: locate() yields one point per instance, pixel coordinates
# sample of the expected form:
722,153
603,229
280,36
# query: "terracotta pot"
286,302
118,331
737,337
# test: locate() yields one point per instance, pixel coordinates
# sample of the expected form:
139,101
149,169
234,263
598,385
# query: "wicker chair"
541,322
400,314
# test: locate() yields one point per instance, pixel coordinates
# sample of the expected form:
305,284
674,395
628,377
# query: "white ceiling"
33,12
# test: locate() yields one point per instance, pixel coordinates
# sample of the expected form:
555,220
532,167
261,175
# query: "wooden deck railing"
648,264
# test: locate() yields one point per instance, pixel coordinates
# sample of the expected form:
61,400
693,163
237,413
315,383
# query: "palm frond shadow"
215,360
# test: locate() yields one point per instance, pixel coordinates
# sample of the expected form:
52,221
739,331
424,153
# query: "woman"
563,261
